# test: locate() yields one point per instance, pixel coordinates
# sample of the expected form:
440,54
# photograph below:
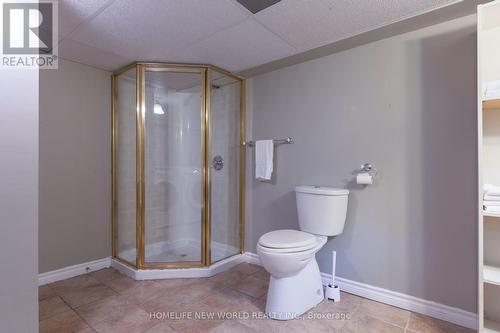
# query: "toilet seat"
288,241
286,251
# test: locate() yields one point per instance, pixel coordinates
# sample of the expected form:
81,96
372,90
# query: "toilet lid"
286,239
322,190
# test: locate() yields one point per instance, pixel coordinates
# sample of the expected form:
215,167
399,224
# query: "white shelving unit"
488,30
490,214
491,326
491,275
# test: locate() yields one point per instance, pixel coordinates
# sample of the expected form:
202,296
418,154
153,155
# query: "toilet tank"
321,210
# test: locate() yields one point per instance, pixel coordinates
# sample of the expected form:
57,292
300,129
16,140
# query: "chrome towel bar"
288,140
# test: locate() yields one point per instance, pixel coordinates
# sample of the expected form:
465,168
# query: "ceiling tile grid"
86,54
242,46
307,24
303,23
366,15
220,32
74,12
146,28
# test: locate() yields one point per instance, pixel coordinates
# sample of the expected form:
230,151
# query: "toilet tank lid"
321,190
285,239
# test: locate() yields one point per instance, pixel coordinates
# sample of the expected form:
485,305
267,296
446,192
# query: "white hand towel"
492,94
491,89
491,198
492,85
491,203
492,190
492,209
264,150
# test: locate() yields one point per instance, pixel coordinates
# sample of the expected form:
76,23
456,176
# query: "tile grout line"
74,309
76,312
58,313
407,326
83,319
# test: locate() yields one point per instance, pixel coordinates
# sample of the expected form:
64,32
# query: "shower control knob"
218,162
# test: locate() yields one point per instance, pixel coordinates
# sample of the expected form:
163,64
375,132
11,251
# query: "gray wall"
408,105
19,200
75,165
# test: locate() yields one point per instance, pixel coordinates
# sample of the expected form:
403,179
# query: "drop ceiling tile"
221,32
366,15
240,47
85,54
303,23
74,12
150,29
308,24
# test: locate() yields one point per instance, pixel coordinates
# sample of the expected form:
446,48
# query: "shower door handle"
217,163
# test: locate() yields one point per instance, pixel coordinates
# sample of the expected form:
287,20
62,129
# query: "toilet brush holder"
332,292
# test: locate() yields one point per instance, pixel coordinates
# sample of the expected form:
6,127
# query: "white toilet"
289,255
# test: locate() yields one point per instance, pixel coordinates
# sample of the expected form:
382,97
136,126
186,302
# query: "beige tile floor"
107,301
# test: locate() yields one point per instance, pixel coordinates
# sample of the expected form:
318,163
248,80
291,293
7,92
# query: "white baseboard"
407,302
146,274
400,300
252,258
72,271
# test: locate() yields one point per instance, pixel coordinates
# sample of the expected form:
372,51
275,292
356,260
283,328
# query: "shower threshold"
175,273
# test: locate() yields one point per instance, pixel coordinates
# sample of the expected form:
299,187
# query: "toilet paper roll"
364,178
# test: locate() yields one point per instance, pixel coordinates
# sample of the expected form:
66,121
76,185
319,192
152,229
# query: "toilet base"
292,296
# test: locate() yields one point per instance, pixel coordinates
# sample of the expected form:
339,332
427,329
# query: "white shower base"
173,273
179,251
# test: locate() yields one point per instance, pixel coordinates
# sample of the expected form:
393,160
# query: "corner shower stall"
178,165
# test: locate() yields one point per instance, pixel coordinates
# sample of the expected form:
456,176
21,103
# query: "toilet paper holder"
368,168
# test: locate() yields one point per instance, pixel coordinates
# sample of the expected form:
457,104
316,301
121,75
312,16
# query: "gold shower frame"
205,72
